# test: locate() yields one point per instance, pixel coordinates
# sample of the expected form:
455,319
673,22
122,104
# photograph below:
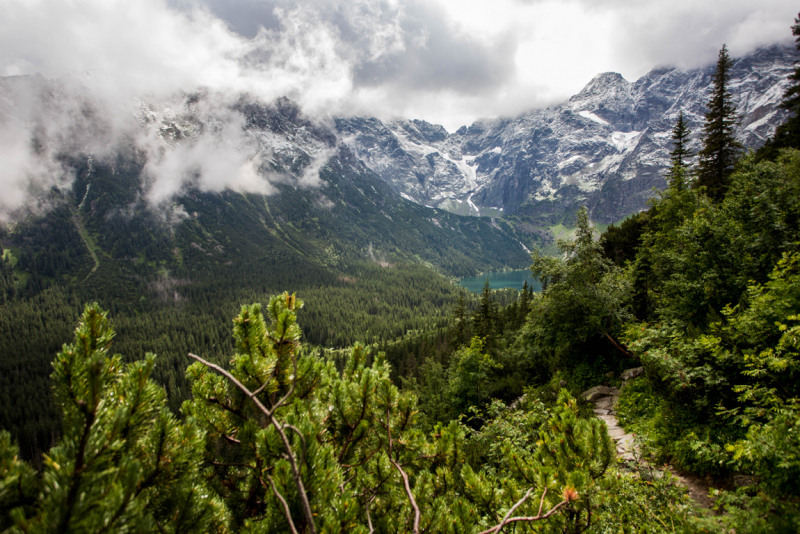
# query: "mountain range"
146,199
606,147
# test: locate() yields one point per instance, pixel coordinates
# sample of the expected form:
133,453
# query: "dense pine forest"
377,397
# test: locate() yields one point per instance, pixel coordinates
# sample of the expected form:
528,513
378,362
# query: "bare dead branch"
231,439
512,510
406,483
260,389
369,518
619,347
506,520
541,502
283,503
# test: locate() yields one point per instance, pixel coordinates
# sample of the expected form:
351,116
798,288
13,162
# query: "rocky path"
604,399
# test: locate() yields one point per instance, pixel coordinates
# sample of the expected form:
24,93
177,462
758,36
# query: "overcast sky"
446,61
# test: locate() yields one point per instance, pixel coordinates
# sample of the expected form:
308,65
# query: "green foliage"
672,431
636,404
431,390
620,243
585,298
338,433
123,463
9,285
486,321
722,360
718,339
680,154
469,376
702,255
577,453
749,510
787,135
295,444
17,483
285,441
647,501
371,265
499,425
372,304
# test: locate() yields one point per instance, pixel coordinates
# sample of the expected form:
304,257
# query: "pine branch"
286,510
302,439
77,474
278,427
288,393
369,517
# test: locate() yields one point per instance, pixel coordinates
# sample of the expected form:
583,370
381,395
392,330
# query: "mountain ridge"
606,147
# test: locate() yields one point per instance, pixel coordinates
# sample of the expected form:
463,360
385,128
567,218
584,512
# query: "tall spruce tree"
485,318
680,154
720,148
525,297
791,98
462,331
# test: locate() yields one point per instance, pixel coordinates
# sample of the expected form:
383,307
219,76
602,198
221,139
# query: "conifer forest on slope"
462,414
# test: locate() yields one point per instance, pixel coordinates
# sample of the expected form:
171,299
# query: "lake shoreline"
514,279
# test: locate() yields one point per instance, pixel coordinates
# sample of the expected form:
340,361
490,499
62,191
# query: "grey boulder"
599,392
632,373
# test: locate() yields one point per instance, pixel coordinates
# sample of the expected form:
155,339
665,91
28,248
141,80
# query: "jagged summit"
603,85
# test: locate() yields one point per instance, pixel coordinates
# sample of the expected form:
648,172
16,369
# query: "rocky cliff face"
606,148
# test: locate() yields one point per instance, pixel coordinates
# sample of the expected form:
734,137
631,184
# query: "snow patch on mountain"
591,116
624,140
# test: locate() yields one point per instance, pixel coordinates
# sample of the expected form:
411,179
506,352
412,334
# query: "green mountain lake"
501,279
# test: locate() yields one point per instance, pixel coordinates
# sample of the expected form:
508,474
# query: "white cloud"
117,51
379,56
213,161
25,176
